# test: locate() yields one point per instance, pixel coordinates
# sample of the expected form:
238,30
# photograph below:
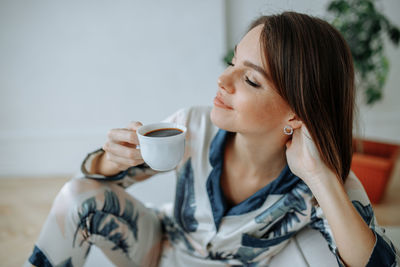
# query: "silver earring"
288,130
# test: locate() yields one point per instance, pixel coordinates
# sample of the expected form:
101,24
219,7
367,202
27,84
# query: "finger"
134,125
122,151
123,135
289,143
297,137
124,163
296,133
306,132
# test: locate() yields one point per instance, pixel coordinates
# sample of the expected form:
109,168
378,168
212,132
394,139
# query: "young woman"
270,159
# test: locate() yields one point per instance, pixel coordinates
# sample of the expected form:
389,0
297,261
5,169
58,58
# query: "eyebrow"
255,67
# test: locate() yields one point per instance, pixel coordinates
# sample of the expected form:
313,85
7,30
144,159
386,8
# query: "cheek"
262,111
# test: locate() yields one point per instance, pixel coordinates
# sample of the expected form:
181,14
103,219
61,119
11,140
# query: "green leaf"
363,26
394,35
373,95
229,56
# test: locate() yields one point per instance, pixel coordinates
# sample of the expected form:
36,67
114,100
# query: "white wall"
72,70
240,13
379,122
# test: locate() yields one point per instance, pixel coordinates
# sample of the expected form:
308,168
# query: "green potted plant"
364,27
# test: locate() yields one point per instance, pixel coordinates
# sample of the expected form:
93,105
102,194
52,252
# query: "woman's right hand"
120,150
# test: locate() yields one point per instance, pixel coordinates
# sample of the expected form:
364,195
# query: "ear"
294,122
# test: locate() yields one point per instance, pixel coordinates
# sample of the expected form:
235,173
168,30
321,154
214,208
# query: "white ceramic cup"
161,153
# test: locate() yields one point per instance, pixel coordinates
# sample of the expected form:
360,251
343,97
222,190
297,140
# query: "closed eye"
253,84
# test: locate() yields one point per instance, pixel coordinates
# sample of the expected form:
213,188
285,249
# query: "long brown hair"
312,69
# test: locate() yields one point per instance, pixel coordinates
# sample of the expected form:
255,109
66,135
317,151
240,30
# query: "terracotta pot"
373,163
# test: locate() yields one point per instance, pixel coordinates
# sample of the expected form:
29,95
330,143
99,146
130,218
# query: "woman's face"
245,101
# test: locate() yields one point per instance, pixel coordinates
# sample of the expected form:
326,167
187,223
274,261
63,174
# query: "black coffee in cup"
164,132
162,144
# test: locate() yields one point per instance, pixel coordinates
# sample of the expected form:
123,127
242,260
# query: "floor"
25,202
22,213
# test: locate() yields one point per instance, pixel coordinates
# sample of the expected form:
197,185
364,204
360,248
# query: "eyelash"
252,83
248,81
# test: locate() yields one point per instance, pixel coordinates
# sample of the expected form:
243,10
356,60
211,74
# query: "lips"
219,102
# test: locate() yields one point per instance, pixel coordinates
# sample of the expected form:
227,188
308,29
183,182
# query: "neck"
263,156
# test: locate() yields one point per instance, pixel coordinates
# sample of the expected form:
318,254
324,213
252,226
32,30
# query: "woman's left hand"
304,158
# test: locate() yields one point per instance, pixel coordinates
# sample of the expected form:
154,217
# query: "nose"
225,83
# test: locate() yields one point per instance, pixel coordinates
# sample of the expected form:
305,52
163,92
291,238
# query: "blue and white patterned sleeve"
124,178
384,252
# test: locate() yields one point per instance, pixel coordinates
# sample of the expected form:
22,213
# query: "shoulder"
200,131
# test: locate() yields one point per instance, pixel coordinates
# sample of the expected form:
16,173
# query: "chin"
219,119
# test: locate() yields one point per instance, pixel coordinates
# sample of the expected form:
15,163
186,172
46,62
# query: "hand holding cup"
121,147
